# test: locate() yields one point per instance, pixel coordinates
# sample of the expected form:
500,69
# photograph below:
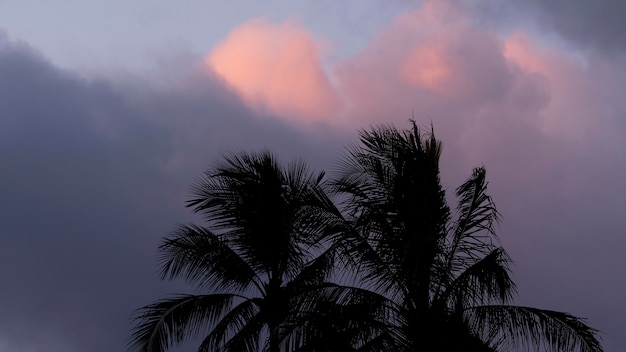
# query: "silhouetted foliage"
254,261
446,280
280,268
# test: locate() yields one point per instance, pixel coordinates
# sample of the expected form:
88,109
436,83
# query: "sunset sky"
110,109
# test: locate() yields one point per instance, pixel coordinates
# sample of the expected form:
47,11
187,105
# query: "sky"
110,109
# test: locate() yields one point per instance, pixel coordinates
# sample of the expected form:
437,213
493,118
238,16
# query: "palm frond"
248,337
263,211
508,327
485,281
228,327
338,318
384,341
473,233
316,272
394,194
165,322
202,258
371,268
243,200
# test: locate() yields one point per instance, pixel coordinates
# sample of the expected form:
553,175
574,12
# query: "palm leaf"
202,258
393,191
471,236
369,267
165,322
338,318
228,327
316,272
508,327
244,200
474,229
248,337
486,280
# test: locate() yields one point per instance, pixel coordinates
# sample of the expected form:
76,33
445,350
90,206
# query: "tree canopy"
372,259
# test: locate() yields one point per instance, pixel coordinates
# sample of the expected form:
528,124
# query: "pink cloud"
582,92
439,64
276,68
547,124
432,62
429,67
435,63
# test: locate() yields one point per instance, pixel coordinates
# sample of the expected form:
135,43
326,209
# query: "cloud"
548,126
94,173
584,25
546,122
278,68
596,25
437,63
433,64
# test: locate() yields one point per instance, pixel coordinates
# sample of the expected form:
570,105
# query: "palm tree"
443,281
261,254
266,263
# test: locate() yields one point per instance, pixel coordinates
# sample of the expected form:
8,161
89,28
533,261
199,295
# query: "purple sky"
108,111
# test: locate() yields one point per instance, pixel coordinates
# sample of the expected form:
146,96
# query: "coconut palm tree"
260,254
444,281
265,264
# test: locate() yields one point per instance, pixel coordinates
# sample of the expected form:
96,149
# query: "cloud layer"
544,119
94,172
433,61
92,176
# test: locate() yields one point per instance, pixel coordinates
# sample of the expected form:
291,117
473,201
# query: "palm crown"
253,261
445,280
273,263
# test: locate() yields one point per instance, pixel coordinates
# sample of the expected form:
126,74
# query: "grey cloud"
91,176
559,189
598,25
93,173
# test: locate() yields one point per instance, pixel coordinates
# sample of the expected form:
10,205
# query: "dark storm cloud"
597,24
91,177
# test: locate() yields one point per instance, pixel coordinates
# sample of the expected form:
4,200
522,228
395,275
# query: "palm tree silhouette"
259,256
444,282
279,267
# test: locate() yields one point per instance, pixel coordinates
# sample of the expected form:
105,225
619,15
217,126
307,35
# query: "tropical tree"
260,255
280,268
443,281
